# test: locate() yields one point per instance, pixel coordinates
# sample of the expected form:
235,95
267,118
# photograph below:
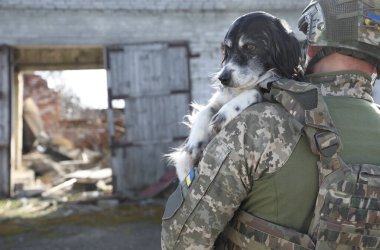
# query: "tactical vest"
347,210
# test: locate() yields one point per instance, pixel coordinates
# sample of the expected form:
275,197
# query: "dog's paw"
195,147
199,136
218,121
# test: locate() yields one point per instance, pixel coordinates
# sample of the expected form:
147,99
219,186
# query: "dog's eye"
225,52
250,46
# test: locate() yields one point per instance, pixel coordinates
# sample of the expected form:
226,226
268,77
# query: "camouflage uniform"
265,146
258,142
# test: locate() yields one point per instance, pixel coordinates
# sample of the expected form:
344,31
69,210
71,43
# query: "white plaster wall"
201,23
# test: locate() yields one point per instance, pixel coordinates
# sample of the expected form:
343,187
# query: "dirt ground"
40,225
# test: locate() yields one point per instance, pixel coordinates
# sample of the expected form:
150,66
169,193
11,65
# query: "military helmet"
350,27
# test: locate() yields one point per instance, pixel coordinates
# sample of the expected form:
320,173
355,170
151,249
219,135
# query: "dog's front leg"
234,107
200,133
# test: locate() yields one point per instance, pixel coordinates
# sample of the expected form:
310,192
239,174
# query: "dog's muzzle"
225,77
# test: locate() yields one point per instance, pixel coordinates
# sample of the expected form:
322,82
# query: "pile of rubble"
63,157
66,149
55,170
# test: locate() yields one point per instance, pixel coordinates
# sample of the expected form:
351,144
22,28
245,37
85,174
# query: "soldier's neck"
339,62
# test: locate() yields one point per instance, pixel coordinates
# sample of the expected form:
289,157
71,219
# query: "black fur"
271,45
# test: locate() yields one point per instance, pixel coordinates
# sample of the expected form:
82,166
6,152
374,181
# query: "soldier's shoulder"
265,110
264,115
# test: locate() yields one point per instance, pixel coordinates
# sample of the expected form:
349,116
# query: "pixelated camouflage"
250,232
369,23
347,214
305,103
352,84
347,211
262,139
353,25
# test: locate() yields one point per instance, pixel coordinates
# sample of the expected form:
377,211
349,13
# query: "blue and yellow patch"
190,177
374,17
372,20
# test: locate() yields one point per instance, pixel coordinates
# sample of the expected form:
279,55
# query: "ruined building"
158,55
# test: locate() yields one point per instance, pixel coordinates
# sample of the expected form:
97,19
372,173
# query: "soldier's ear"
312,51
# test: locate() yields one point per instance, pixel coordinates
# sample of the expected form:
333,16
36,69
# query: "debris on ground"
65,150
66,153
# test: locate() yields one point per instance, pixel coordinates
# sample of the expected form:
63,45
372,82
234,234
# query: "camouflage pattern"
309,110
347,211
352,25
250,232
369,29
344,84
259,141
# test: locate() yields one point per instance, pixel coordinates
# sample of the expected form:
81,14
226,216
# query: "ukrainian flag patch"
190,177
374,17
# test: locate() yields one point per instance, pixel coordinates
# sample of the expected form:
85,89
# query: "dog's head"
256,47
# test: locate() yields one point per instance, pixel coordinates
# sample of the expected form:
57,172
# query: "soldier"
257,184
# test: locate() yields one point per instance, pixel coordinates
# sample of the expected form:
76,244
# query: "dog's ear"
286,50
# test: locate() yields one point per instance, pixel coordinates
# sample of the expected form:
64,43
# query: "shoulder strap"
305,103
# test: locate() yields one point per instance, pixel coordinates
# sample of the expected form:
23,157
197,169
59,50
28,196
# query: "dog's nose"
225,78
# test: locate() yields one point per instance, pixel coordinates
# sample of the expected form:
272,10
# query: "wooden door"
5,120
153,82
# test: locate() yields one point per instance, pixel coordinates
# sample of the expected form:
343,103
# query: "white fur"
223,106
242,73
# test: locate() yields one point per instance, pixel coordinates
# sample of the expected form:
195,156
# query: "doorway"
59,143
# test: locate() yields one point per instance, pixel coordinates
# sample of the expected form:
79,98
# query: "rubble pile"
55,170
65,155
66,150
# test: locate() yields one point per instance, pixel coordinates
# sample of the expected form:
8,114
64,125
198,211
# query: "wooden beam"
59,58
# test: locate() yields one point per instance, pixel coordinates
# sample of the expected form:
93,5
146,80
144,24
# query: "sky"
89,85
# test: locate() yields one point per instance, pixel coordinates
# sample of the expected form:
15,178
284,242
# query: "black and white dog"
258,49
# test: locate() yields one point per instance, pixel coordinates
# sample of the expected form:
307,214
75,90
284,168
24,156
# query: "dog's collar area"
266,85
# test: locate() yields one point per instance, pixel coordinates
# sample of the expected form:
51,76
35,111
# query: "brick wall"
46,99
88,130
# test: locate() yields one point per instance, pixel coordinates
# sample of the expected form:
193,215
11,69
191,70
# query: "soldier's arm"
258,141
220,184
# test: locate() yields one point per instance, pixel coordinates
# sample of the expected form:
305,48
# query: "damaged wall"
202,23
87,129
47,101
103,23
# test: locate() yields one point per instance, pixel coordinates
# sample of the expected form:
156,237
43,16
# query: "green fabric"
275,197
270,195
357,122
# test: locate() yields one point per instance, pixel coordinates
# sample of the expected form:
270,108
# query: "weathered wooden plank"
59,58
136,174
178,68
153,118
5,77
154,82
